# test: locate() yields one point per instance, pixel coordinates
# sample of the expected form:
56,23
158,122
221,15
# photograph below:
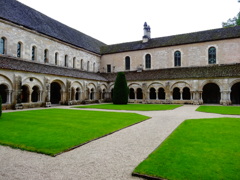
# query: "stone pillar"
225,98
9,96
181,94
30,96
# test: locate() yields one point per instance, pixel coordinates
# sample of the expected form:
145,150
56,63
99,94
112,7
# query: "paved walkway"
113,157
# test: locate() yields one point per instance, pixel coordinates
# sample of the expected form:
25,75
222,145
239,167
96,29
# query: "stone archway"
3,93
176,93
235,93
139,93
211,93
131,93
186,93
55,96
35,94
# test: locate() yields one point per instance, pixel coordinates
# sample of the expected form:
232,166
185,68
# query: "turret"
146,32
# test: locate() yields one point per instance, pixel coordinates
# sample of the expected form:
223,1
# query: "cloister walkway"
113,157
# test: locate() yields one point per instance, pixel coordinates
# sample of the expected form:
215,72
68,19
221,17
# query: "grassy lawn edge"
131,107
225,110
169,139
31,148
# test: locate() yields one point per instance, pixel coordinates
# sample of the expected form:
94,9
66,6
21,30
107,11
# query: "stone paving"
113,157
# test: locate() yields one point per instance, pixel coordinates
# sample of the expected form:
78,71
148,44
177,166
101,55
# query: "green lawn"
198,149
234,110
133,107
52,131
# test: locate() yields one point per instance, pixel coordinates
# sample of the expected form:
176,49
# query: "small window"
81,67
212,55
56,58
94,68
45,56
66,61
34,49
177,58
19,49
148,61
2,45
88,64
127,63
109,68
74,62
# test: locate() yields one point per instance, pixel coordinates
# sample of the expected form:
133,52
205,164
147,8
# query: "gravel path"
113,157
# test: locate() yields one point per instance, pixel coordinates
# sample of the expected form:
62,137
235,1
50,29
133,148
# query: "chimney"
146,33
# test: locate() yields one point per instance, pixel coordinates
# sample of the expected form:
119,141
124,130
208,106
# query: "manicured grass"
52,131
133,107
234,110
197,149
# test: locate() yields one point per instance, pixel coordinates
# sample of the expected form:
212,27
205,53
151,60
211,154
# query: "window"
19,49
177,58
81,67
74,62
127,63
56,58
212,55
45,56
34,49
109,68
148,61
88,66
2,46
66,61
94,68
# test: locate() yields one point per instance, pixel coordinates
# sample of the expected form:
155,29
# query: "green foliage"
133,107
197,149
234,110
121,90
52,131
232,22
0,106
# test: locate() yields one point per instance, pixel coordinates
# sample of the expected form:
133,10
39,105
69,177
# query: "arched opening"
139,93
153,93
35,94
25,94
176,93
186,93
3,93
211,93
92,94
55,93
103,94
161,93
235,93
131,93
77,95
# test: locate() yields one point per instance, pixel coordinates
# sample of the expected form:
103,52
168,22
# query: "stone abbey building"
44,62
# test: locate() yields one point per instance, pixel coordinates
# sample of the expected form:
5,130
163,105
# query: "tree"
232,22
120,91
0,106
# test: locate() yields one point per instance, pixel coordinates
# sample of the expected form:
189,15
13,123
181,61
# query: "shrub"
120,91
0,106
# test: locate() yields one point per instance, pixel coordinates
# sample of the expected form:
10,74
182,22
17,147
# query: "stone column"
9,96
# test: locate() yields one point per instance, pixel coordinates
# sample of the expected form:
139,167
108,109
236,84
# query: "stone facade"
73,68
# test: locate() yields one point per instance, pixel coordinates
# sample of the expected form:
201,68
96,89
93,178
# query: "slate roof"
189,38
18,13
211,71
15,64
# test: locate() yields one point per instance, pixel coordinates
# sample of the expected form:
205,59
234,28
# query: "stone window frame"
214,55
34,53
66,60
3,45
127,63
177,58
19,49
56,61
148,61
46,56
74,62
109,68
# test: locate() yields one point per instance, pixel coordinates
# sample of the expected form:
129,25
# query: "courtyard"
112,157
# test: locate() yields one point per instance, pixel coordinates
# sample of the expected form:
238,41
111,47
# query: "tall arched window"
2,45
212,55
74,62
81,67
94,68
19,49
45,56
148,61
127,63
88,66
56,58
66,61
34,50
177,58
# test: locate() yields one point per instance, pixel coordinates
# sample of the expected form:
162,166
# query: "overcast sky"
112,21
